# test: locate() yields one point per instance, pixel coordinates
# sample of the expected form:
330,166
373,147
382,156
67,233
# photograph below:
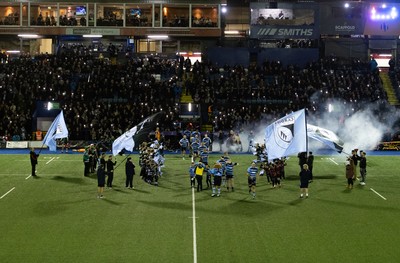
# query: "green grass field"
57,217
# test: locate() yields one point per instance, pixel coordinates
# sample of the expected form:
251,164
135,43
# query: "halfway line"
7,193
194,227
378,194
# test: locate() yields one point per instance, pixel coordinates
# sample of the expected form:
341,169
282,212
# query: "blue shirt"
204,157
229,168
195,140
194,133
184,142
192,170
195,146
252,171
202,148
207,141
187,133
217,171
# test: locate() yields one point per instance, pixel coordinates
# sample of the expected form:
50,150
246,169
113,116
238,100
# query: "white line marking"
331,159
381,196
7,193
28,177
50,160
194,228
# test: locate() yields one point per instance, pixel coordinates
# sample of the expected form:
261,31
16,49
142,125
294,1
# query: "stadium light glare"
28,35
158,36
330,107
13,51
231,32
92,36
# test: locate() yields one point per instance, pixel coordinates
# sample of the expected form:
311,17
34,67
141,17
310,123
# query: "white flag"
287,136
138,133
125,141
58,129
325,136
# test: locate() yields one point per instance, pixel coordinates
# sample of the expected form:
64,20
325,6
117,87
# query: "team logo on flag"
284,132
286,136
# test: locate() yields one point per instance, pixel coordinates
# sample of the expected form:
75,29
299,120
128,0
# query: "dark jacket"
33,157
110,165
363,162
305,176
129,168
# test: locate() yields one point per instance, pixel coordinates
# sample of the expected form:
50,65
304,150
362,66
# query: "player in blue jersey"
202,148
204,156
208,177
197,134
194,146
229,174
217,173
192,174
222,161
252,173
184,143
207,141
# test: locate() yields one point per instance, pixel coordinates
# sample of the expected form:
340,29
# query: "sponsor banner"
342,28
278,32
93,31
17,144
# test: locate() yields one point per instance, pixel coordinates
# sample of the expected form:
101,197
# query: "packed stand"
101,100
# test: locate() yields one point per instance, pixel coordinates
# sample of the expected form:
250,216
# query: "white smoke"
363,129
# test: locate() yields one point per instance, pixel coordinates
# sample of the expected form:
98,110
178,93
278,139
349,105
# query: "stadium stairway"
388,87
186,98
206,127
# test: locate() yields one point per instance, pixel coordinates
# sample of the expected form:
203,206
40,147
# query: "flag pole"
122,161
305,120
41,148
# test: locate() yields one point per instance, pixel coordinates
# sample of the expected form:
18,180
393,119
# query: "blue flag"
58,129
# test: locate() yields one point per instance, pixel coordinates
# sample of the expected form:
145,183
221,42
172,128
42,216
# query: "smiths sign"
265,32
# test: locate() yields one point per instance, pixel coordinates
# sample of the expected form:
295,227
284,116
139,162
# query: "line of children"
151,162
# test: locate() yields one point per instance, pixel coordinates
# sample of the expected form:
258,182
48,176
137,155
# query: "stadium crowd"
102,99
